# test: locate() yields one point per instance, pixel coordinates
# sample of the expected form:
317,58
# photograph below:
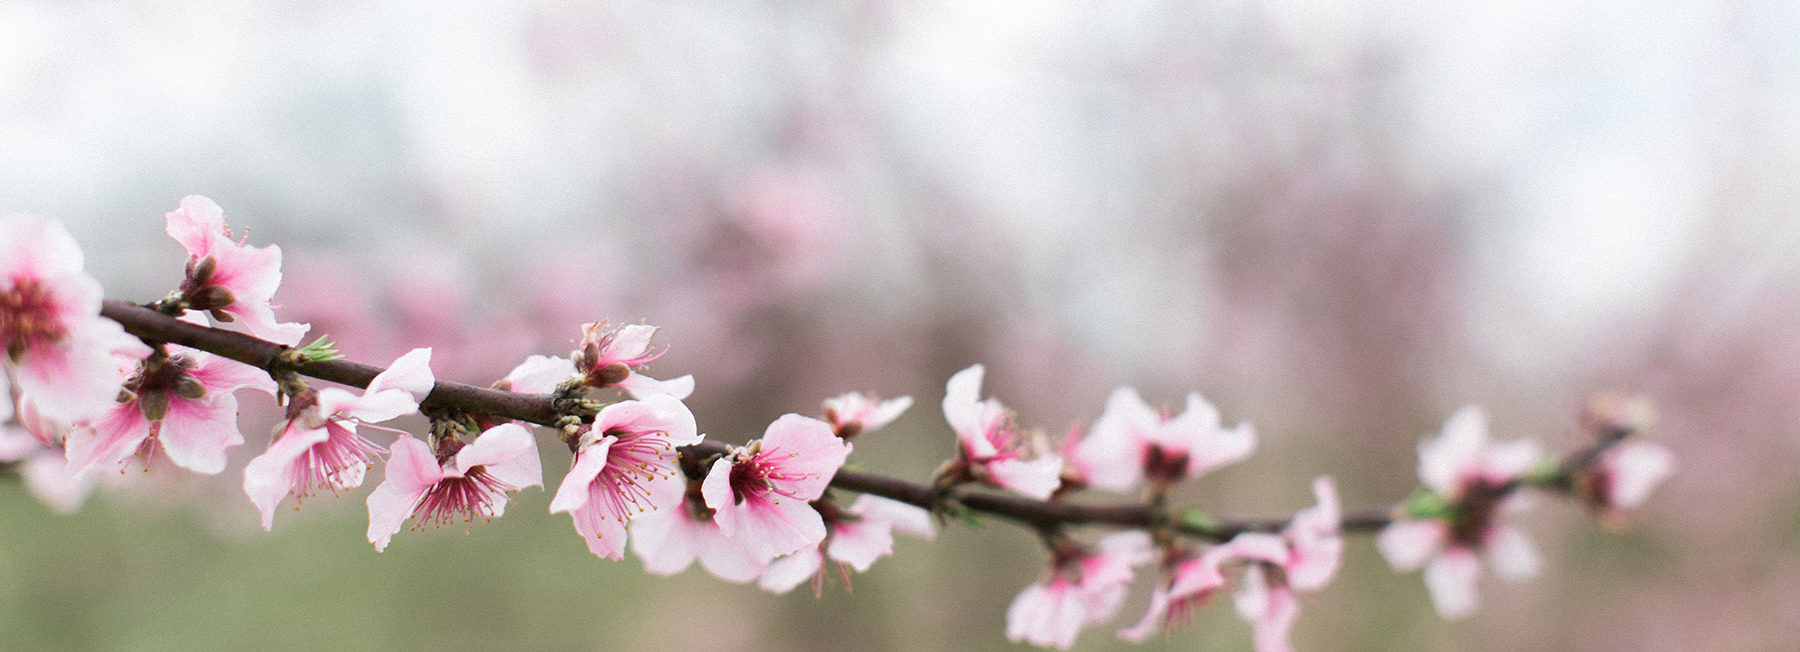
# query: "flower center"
28,317
632,462
474,494
336,463
764,472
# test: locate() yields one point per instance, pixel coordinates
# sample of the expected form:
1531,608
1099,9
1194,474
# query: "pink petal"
811,451
107,440
1257,546
1271,611
1443,461
573,494
666,540
410,373
605,537
783,574
411,470
904,517
1035,478
508,452
76,378
630,341
540,374
1045,615
664,414
860,544
1637,467
728,558
196,433
642,386
196,223
1407,543
769,529
224,375
1512,554
1505,461
965,412
1221,448
47,477
1451,579
268,478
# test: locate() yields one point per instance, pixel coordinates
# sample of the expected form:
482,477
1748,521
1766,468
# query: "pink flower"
456,482
855,413
1303,558
1085,587
319,447
1622,478
1189,584
1475,479
1131,441
59,348
45,469
230,280
609,359
670,540
538,374
759,493
992,449
182,404
619,461
856,538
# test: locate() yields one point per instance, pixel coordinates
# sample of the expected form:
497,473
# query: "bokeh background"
1339,220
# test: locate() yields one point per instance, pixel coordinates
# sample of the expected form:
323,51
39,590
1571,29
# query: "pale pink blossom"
181,404
992,449
1303,558
1475,478
1623,476
538,374
670,540
610,358
856,538
319,447
1132,442
1085,587
456,482
59,349
856,413
759,493
45,470
229,280
619,462
1189,582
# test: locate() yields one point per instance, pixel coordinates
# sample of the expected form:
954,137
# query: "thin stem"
540,409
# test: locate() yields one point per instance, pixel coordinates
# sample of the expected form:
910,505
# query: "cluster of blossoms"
81,399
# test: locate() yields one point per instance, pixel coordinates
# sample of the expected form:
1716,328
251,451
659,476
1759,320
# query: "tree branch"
536,408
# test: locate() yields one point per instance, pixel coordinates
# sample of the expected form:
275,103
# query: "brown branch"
536,408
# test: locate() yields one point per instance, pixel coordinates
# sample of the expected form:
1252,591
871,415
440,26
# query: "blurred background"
1338,220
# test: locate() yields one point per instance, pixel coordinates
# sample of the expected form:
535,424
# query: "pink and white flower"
1476,479
319,448
992,449
856,538
1132,442
759,493
230,280
59,348
1190,581
1085,587
457,482
670,540
619,464
182,404
855,413
1623,476
609,358
1303,558
44,468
